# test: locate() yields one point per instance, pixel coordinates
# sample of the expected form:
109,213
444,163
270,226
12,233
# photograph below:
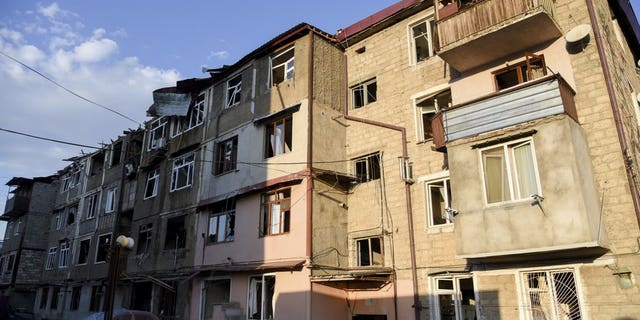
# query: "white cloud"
49,11
11,35
218,55
95,50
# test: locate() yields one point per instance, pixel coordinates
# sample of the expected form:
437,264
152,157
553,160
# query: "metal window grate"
552,295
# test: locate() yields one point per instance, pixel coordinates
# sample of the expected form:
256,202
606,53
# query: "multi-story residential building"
94,201
22,255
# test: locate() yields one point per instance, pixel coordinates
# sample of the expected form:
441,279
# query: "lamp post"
122,242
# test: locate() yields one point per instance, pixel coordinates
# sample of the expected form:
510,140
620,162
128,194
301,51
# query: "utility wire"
48,139
68,90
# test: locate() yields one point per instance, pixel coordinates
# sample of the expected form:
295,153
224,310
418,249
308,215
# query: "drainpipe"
407,189
615,108
309,162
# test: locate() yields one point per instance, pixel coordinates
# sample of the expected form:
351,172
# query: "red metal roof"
374,19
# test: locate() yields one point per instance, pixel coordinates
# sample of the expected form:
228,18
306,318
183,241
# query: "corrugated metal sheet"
534,102
171,104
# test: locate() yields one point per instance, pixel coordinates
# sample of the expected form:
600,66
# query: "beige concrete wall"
329,221
497,295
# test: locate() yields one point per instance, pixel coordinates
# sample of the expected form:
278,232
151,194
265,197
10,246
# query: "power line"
68,90
48,139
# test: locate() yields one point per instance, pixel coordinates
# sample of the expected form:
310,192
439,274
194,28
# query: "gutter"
407,190
309,164
635,196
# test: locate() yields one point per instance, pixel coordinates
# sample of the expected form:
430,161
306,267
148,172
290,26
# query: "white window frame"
366,99
288,66
110,200
525,301
419,111
95,258
185,162
250,291
369,166
153,176
51,258
91,205
233,94
221,229
157,133
203,294
446,184
196,113
508,158
58,221
65,253
455,292
413,55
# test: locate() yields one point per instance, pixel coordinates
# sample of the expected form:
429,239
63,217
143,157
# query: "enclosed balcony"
474,33
15,207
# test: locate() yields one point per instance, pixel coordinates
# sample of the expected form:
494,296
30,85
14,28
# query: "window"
226,155
454,298
551,295
103,247
97,164
10,264
261,291
83,252
65,249
422,39
176,234
427,108
532,68
370,252
110,200
75,298
96,297
70,180
234,87
157,134
44,296
116,153
367,168
58,218
182,172
2,262
51,258
153,179
55,292
195,116
276,207
510,172
279,135
71,214
145,232
282,66
91,203
222,221
364,93
438,200
17,228
215,292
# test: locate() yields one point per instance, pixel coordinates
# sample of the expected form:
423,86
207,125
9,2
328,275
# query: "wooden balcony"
15,207
477,33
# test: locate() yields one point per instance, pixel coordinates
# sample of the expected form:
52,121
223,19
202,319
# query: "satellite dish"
578,33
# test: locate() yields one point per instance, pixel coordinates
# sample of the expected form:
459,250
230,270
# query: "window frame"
181,243
281,197
144,243
44,298
51,258
157,133
373,172
65,254
371,258
283,136
80,249
102,247
286,67
508,163
366,97
178,164
152,176
233,92
76,296
429,22
226,156
110,200
91,205
420,111
527,76
97,293
229,226
203,296
260,279
10,264
455,292
525,289
446,181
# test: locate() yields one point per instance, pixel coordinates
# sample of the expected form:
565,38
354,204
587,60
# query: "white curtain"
524,171
275,218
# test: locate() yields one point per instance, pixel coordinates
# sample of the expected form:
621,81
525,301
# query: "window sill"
274,235
509,203
150,197
425,62
218,243
225,172
444,228
181,188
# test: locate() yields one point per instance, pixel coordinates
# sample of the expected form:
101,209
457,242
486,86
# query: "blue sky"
116,53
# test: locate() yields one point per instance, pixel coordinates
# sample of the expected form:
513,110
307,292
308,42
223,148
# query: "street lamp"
122,242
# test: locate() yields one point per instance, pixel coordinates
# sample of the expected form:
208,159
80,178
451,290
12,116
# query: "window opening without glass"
260,302
367,168
276,207
422,38
364,93
454,298
279,137
533,67
222,221
370,252
428,107
438,200
282,66
234,88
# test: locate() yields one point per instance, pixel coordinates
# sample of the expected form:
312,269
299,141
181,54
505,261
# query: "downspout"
310,98
615,108
407,190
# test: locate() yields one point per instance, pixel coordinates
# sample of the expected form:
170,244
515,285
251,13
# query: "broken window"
260,302
71,214
428,107
116,153
222,221
2,264
51,258
370,252
279,136
454,298
10,263
55,292
367,168
17,228
58,218
551,295
103,247
151,188
226,155
195,117
364,93
510,171
70,180
438,200
422,39
91,205
44,296
276,207
282,66
110,200
83,251
96,297
157,138
234,88
216,291
182,172
176,234
75,298
532,68
65,250
145,232
97,164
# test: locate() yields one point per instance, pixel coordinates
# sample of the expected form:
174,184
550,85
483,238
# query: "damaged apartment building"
449,160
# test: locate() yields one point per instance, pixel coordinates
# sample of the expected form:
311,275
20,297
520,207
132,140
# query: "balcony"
15,207
475,33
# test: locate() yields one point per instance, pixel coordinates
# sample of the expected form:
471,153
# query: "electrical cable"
48,139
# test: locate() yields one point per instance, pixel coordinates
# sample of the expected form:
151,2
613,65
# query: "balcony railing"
15,207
